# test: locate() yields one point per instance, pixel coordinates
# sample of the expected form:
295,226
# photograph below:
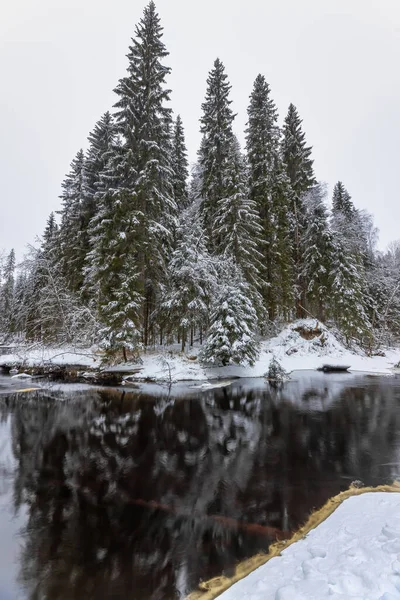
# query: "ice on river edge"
290,348
354,553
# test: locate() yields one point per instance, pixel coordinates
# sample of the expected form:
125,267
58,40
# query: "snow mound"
305,337
354,553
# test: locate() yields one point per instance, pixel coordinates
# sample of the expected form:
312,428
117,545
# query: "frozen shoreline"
290,348
354,553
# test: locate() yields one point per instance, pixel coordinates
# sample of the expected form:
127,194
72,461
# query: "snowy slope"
355,553
296,353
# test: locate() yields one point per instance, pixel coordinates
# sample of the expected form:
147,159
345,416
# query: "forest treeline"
143,252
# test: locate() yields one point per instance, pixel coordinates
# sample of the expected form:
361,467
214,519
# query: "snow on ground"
354,553
167,366
290,348
295,353
43,355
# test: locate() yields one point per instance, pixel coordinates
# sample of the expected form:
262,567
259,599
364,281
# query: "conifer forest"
147,251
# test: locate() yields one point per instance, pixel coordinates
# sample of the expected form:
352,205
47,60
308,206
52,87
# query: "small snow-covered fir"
232,335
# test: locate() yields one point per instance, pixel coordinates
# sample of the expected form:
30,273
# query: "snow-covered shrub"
276,373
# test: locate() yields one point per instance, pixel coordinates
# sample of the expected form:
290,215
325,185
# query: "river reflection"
141,495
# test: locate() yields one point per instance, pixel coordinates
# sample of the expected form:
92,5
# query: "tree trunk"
183,339
124,354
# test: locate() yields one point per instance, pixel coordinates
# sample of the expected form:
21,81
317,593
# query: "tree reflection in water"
142,496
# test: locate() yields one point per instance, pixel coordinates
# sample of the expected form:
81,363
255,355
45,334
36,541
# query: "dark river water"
141,494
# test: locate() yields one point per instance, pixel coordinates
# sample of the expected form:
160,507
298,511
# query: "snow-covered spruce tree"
216,127
317,252
179,165
35,274
191,281
358,235
70,249
383,301
21,295
7,296
100,234
145,176
195,184
296,154
270,191
341,201
50,231
284,276
232,336
299,168
348,299
356,227
121,315
106,233
33,280
101,141
345,219
237,223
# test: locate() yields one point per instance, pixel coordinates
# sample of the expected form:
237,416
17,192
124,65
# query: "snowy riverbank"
302,345
354,553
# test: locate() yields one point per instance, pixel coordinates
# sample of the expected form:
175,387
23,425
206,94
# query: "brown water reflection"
113,495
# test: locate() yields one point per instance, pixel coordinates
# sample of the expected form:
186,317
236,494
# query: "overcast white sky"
336,60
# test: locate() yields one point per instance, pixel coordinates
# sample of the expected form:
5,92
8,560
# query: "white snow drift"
355,553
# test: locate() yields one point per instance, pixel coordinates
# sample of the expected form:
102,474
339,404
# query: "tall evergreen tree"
296,154
299,168
70,248
237,222
42,266
318,252
101,141
216,127
145,188
191,280
7,295
50,230
283,269
354,227
21,291
180,165
350,298
341,201
101,181
270,191
50,239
